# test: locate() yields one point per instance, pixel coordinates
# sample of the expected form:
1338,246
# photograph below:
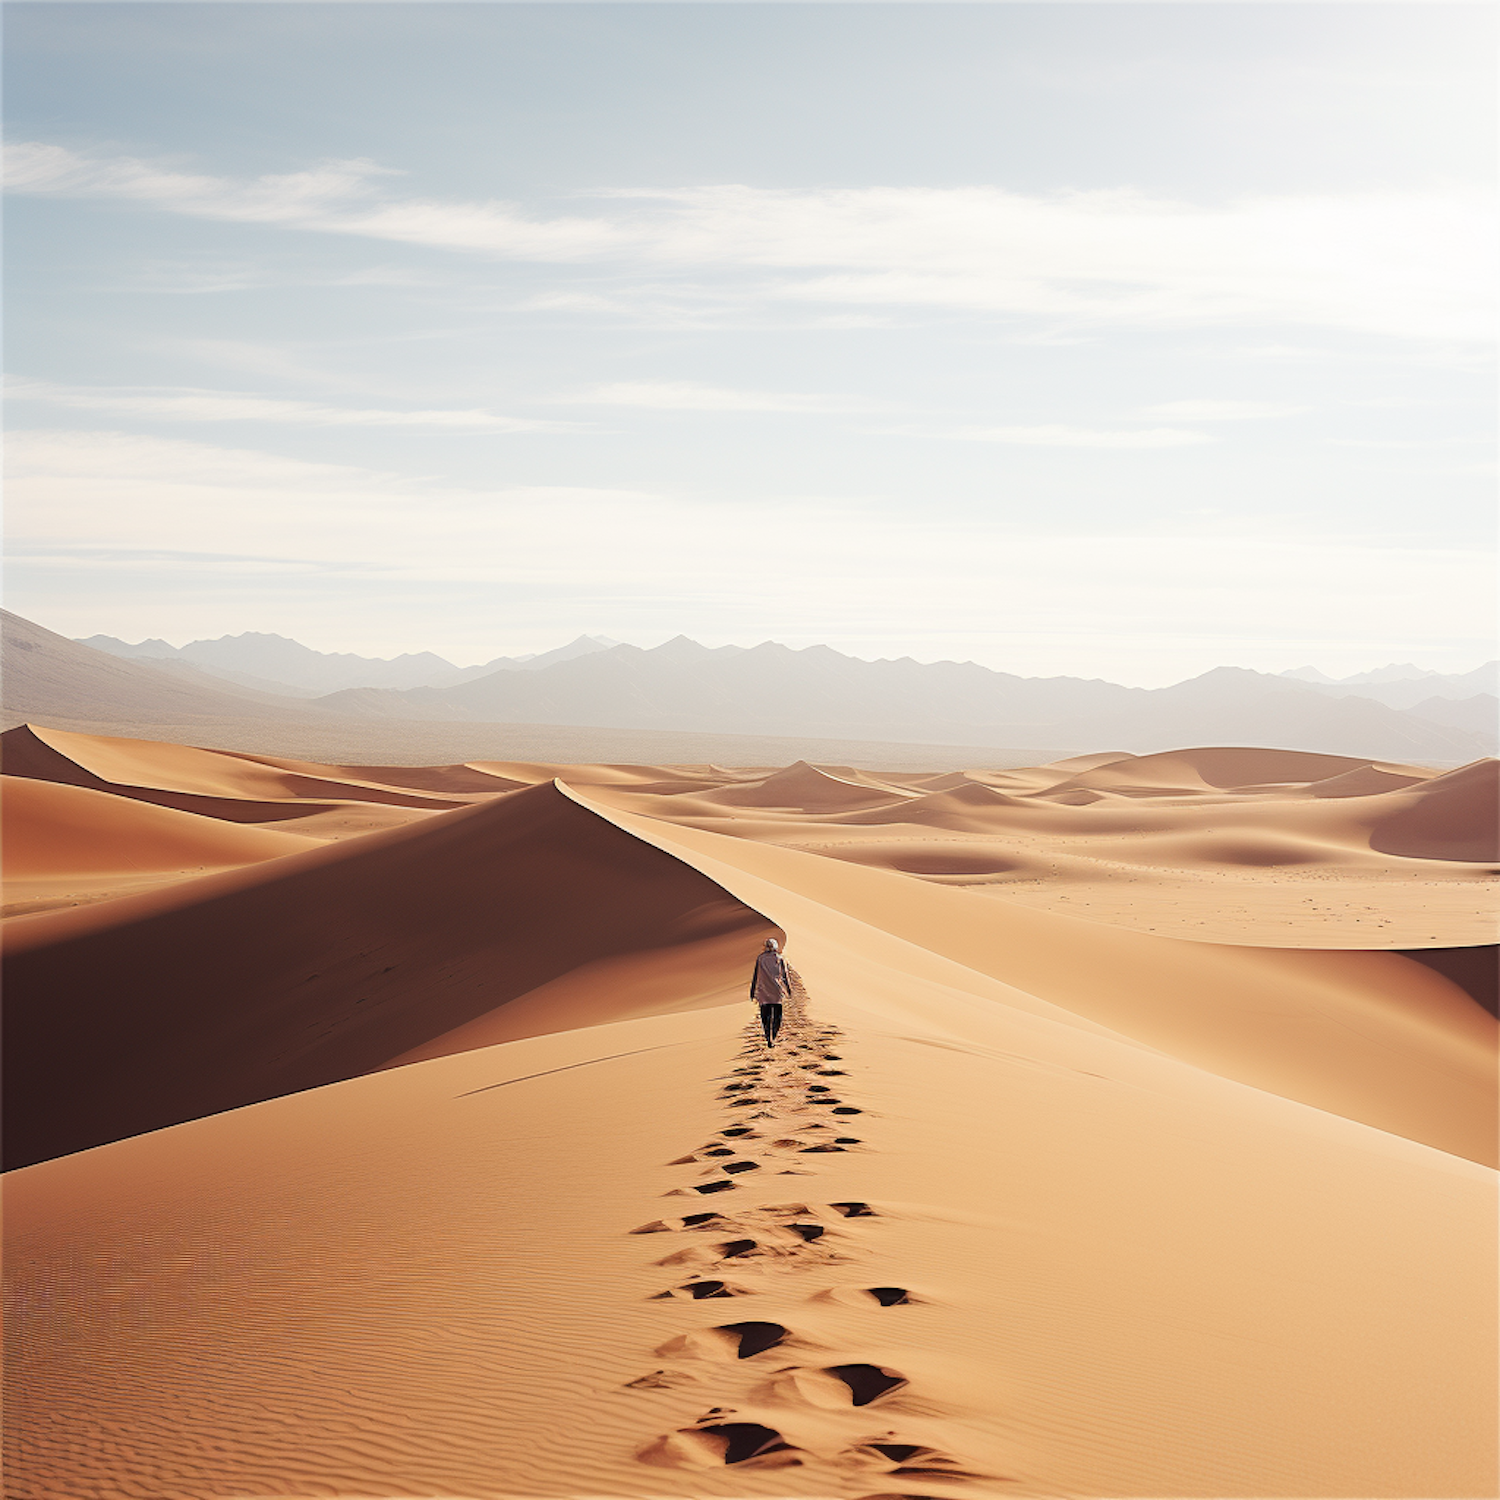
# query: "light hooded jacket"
770,984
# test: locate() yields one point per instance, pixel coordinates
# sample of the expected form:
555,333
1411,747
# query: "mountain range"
768,689
772,689
274,663
1406,686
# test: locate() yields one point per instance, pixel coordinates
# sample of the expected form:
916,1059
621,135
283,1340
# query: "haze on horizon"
1116,341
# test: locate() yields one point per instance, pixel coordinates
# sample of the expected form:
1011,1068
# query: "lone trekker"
770,985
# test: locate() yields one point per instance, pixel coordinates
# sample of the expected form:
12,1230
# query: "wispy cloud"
176,404
1483,440
1060,435
1409,265
120,512
1221,411
667,395
198,278
337,197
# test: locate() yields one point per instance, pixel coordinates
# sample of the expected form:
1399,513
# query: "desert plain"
386,1130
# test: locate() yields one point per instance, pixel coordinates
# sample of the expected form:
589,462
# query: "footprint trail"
756,1391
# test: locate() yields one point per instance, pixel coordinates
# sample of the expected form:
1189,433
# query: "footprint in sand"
713,1254
673,1226
788,1243
835,1387
702,1291
915,1459
727,1341
869,1296
713,1444
700,1187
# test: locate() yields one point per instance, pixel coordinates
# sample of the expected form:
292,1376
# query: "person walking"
770,987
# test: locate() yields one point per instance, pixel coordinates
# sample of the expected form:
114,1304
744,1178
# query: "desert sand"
393,1131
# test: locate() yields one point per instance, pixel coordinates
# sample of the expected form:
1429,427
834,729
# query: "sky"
1108,340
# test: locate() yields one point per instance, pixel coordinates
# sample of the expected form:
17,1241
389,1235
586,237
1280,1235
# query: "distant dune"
1456,816
54,830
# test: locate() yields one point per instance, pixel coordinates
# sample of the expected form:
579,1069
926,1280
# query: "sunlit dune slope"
1258,847
1246,846
1363,781
1118,1274
54,829
65,844
320,801
1455,817
804,788
967,808
138,1013
1214,766
141,768
457,780
1371,1036
1088,762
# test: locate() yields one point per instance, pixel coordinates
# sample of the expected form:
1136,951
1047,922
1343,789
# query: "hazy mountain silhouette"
49,676
772,689
275,663
767,690
1406,686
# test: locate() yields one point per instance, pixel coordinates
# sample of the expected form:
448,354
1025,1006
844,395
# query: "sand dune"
60,830
1090,762
65,845
949,781
1017,1242
1452,817
1369,1035
805,788
1222,844
962,807
1218,767
427,1162
145,766
322,802
330,963
1364,781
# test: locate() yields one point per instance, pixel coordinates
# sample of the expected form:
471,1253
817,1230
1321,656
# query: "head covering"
772,944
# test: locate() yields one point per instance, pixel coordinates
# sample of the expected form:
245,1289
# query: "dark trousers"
770,1019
